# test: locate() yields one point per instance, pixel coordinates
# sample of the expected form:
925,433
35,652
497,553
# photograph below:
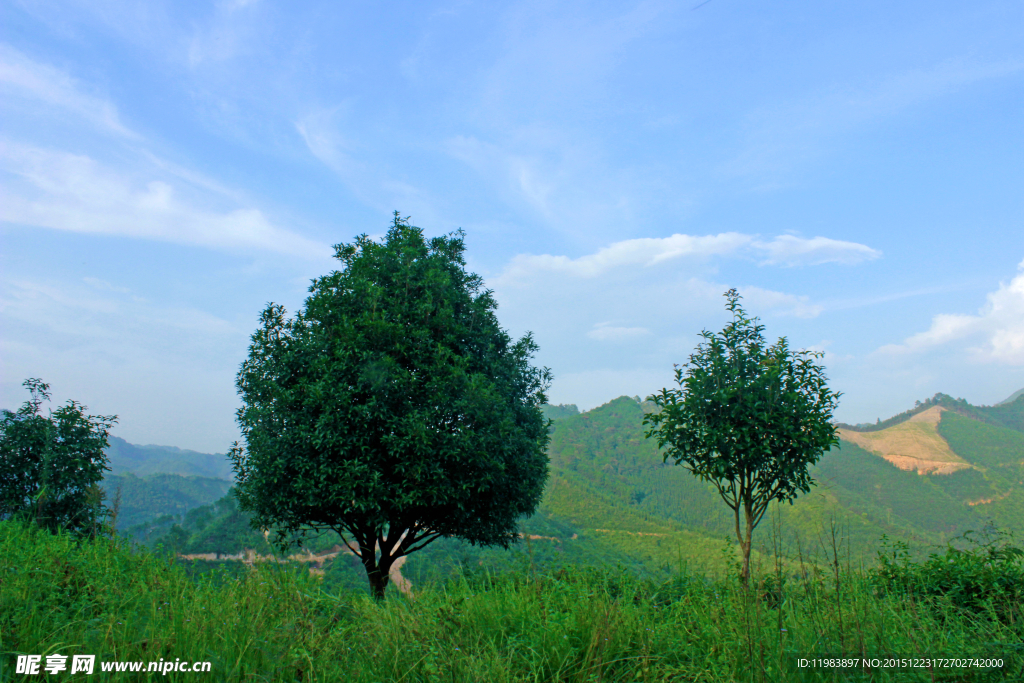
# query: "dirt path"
316,562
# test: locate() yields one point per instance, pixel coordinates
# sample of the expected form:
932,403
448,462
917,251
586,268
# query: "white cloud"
997,332
103,285
788,250
645,251
607,332
756,298
76,193
648,251
25,78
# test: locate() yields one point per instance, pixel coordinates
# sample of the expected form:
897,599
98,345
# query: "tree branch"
430,539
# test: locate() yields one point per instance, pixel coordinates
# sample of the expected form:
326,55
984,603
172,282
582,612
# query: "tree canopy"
51,466
393,408
748,418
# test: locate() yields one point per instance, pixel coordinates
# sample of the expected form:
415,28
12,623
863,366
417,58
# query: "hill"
142,499
126,458
610,499
1009,413
555,412
913,445
1013,397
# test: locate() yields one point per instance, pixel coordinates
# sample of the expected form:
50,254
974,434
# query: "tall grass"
274,623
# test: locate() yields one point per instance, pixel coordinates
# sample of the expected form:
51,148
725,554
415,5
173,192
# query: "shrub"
989,573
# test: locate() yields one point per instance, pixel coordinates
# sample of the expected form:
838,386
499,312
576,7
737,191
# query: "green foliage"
966,486
393,409
989,575
274,623
747,418
999,450
869,484
220,528
1009,414
50,467
229,532
142,499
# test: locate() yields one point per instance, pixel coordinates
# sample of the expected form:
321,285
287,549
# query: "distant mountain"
162,481
555,412
929,477
1013,397
128,458
923,477
1006,414
143,499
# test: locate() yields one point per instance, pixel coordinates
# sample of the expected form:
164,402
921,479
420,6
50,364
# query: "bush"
989,573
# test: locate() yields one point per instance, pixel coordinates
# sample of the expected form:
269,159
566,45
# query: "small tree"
748,418
392,409
50,467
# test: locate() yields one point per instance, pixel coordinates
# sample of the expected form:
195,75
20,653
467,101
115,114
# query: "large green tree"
51,466
393,408
748,418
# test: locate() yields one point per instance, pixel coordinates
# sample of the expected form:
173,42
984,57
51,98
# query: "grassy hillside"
277,623
617,480
896,501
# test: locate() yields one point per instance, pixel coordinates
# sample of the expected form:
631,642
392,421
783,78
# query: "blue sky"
856,170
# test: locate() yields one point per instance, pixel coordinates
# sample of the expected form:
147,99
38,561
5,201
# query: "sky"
855,170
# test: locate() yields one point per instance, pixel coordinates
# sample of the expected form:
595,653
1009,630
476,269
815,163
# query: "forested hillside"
142,499
142,460
611,500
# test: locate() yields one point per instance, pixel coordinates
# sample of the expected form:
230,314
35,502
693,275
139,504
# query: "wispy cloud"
780,303
76,193
785,134
165,369
646,251
607,332
786,250
24,78
323,132
996,332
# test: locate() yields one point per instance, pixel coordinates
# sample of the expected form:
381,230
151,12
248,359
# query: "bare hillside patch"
914,445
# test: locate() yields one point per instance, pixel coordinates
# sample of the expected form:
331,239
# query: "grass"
274,623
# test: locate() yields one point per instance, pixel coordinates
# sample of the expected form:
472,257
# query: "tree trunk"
746,543
378,572
378,582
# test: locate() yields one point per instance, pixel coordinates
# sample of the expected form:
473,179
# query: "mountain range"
923,477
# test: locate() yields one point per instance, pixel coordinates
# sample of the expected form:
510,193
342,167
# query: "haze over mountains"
128,458
923,477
